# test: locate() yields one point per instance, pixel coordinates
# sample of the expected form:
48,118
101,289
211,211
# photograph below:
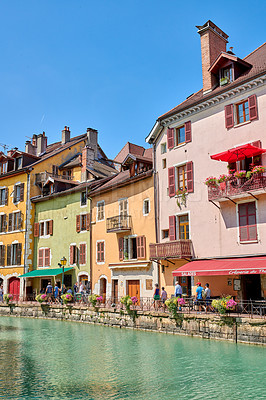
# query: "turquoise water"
41,359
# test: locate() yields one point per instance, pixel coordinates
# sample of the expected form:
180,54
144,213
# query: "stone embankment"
208,326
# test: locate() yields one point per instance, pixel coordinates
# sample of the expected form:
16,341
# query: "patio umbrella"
238,153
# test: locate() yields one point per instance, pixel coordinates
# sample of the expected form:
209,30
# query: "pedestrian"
198,297
1,293
49,292
178,291
81,287
207,293
156,295
163,296
63,289
56,293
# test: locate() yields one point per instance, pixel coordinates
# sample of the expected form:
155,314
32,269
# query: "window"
18,194
226,75
55,170
2,255
132,247
100,252
43,228
73,259
44,257
123,207
180,178
83,222
164,163
82,254
165,233
244,111
3,168
180,136
146,207
3,196
14,254
18,162
163,148
14,221
247,222
3,223
83,199
83,226
100,211
179,227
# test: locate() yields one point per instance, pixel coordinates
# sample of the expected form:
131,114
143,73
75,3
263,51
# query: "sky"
111,65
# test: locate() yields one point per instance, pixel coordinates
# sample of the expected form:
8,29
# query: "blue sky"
110,65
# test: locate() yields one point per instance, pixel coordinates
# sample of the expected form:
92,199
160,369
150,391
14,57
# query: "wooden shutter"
82,254
257,143
6,196
4,223
78,223
170,138
247,222
40,258
188,131
172,228
51,223
121,248
15,194
2,259
21,192
10,220
98,252
229,116
190,180
46,257
141,247
20,220
171,181
88,221
8,254
71,255
19,250
36,229
252,105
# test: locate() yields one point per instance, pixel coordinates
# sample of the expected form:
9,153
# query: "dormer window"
226,75
18,162
4,168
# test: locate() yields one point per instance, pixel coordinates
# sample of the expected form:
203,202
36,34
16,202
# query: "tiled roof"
129,148
258,61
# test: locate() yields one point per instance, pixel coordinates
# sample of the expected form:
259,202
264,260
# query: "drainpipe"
26,228
90,200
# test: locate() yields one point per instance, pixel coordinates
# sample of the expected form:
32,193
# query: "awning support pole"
253,196
231,200
216,205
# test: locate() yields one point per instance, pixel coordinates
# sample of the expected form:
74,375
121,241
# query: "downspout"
90,200
26,230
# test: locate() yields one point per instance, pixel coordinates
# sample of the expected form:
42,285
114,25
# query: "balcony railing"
119,223
43,176
174,249
236,188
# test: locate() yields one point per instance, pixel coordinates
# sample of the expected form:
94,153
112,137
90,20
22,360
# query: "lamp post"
63,263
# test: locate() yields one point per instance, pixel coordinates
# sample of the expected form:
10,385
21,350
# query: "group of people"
53,294
202,297
1,293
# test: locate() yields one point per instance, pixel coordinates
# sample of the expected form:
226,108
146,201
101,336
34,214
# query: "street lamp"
63,263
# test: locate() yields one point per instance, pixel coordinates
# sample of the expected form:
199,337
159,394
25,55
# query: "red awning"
238,153
225,266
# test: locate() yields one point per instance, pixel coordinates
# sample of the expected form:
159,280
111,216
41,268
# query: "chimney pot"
65,135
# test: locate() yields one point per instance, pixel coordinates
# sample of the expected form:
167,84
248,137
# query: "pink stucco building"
220,228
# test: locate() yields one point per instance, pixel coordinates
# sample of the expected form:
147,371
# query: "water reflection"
41,359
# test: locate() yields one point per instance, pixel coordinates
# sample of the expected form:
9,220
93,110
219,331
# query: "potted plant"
181,198
40,298
241,176
258,170
211,181
93,299
7,297
222,181
224,304
67,298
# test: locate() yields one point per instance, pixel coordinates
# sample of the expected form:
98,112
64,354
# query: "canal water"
42,359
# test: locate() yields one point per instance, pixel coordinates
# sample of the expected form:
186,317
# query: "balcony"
42,177
237,188
174,249
119,223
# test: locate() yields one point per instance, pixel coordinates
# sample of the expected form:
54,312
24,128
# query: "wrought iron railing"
119,223
236,186
173,249
42,177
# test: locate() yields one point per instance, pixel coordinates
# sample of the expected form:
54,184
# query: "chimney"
41,143
213,41
87,161
65,135
92,140
31,145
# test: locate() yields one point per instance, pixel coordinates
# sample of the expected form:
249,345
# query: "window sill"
242,123
248,241
100,262
179,145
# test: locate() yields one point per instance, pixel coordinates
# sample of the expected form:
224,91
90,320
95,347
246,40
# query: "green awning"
38,273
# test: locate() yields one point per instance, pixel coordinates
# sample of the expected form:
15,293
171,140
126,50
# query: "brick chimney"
87,161
65,135
92,140
41,143
213,41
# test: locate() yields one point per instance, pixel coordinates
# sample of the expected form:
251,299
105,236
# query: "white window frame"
119,203
77,254
130,247
257,222
83,205
100,262
46,223
11,260
143,209
177,225
3,188
50,262
14,192
97,210
163,148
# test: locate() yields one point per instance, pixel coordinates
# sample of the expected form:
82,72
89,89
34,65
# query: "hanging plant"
181,198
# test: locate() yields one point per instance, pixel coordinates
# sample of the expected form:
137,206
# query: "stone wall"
244,330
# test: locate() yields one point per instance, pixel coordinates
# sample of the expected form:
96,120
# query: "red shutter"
172,233
247,221
121,248
171,181
98,252
102,251
36,229
82,253
188,131
51,223
170,138
71,255
252,105
190,181
229,116
88,221
257,143
40,258
46,257
78,223
141,247
21,192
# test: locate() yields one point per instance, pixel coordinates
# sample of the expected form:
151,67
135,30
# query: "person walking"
156,295
1,293
49,292
178,291
56,293
207,293
198,297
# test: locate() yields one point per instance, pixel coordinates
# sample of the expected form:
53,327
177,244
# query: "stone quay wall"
208,326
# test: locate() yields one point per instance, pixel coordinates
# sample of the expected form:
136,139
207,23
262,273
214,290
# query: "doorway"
44,283
103,288
115,291
251,287
14,285
133,288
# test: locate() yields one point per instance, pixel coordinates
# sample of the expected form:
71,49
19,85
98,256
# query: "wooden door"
123,207
133,288
14,284
115,291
